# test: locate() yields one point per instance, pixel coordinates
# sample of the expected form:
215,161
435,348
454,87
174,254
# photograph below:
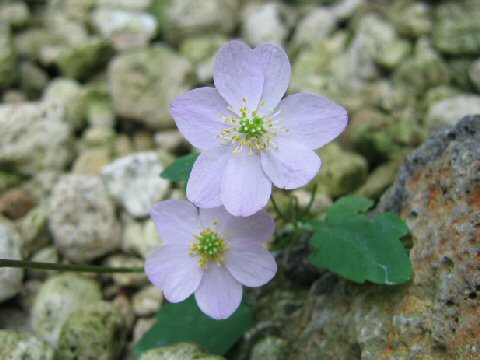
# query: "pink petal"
312,120
197,115
250,263
258,227
219,294
175,221
291,166
174,271
203,187
245,187
277,71
238,74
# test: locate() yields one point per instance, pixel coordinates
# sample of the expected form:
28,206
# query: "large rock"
82,218
179,19
19,346
434,316
34,137
135,182
144,82
10,278
57,298
448,111
96,331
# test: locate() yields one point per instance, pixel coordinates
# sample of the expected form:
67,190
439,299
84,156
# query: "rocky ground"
85,130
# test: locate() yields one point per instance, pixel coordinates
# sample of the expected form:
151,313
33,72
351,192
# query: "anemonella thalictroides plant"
249,139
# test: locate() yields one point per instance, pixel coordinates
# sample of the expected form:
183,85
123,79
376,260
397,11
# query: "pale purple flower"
210,253
249,137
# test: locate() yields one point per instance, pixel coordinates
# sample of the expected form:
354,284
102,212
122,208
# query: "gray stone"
201,51
448,111
135,183
8,58
425,69
10,278
33,79
141,327
141,238
375,43
138,5
34,137
182,18
33,228
170,140
319,21
20,346
342,171
92,161
474,74
57,298
100,113
181,351
144,82
95,331
455,27
127,279
81,60
47,254
265,25
82,218
270,348
344,9
72,97
412,18
126,29
14,13
147,301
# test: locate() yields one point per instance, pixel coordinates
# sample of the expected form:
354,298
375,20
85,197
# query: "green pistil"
210,246
252,128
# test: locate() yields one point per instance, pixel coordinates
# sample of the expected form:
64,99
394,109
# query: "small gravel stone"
147,301
82,218
57,299
135,182
16,203
10,278
20,346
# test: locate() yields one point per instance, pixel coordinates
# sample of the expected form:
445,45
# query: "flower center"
210,246
254,132
252,128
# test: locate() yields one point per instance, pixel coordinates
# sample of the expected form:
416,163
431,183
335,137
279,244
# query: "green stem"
277,209
67,267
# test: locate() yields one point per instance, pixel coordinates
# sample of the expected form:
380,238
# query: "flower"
210,253
248,136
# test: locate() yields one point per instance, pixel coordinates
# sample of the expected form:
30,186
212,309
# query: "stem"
66,267
277,209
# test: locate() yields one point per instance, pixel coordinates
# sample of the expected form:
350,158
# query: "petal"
312,120
203,187
175,221
276,71
198,116
291,166
237,75
219,294
258,228
174,271
250,263
245,187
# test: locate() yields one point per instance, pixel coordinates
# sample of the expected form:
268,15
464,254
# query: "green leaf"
180,169
184,322
360,248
